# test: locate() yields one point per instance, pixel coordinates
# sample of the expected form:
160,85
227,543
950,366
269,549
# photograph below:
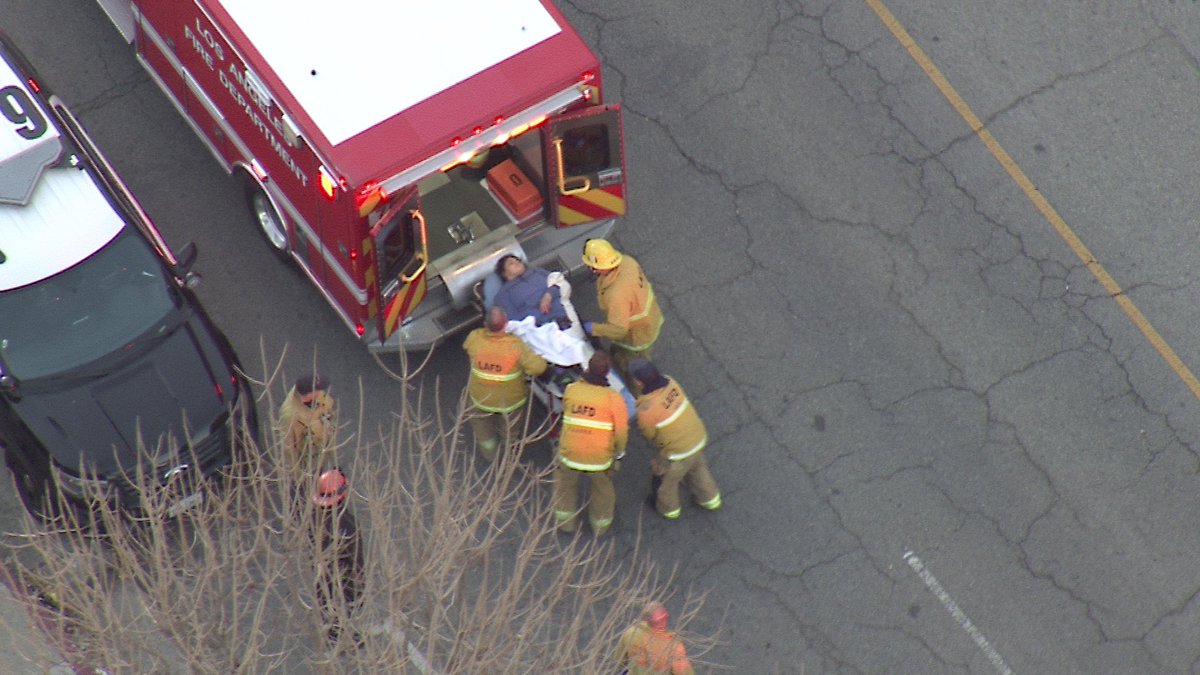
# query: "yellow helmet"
598,254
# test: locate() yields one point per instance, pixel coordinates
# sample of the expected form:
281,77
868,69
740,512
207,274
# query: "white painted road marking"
956,612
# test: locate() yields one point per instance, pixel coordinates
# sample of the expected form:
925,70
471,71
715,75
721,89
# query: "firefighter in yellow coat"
595,429
308,426
668,419
648,648
632,316
498,388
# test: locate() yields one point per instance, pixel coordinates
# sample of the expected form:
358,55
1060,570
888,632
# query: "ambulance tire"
270,224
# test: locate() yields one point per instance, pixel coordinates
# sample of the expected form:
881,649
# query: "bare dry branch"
463,569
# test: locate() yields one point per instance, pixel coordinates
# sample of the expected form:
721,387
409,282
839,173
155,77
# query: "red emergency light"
34,85
501,139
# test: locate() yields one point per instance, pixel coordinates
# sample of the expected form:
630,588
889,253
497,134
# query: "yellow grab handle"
562,181
423,256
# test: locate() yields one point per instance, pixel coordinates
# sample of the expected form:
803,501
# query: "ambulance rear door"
585,160
401,247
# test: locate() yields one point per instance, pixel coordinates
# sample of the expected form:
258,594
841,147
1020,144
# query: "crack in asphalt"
1050,297
988,122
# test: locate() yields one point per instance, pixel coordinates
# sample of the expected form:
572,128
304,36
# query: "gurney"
567,350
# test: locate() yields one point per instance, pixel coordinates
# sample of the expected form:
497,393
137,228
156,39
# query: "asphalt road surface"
948,375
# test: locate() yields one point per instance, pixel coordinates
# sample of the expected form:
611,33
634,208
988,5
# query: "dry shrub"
464,571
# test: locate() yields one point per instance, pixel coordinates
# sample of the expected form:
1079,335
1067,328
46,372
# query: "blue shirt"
521,296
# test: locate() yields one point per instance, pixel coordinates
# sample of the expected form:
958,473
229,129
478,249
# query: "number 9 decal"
17,108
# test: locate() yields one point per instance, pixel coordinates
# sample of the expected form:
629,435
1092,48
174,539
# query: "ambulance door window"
396,243
586,151
585,156
396,249
402,258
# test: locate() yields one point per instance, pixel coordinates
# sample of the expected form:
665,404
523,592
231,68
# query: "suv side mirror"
8,384
186,258
183,265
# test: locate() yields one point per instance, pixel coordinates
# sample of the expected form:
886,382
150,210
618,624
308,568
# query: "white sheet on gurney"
552,343
565,348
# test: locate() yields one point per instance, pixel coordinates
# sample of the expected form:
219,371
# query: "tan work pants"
693,470
495,430
601,502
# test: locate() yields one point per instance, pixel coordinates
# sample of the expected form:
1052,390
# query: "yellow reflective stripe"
569,216
494,409
583,466
605,200
675,415
672,515
581,422
496,378
649,302
695,448
639,348
713,504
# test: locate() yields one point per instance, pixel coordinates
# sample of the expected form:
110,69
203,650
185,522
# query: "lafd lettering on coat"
580,409
671,397
489,367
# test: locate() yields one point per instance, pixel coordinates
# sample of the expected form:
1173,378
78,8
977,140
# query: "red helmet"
331,488
655,614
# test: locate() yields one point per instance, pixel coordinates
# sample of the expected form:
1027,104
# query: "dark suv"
109,367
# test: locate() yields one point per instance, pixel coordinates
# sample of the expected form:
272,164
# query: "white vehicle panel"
66,221
29,143
375,58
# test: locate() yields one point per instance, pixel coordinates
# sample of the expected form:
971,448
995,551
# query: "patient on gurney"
539,310
526,292
538,304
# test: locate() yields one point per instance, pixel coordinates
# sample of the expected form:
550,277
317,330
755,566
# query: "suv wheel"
32,488
37,495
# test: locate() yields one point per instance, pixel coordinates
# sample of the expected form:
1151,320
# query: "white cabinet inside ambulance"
105,354
396,150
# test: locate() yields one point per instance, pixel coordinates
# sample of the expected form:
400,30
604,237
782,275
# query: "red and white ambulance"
396,149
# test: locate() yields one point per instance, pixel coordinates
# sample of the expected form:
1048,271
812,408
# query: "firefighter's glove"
587,328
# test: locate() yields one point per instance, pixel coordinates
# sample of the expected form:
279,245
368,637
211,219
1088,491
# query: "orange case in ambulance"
513,188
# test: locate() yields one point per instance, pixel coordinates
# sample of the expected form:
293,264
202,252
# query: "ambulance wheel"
269,222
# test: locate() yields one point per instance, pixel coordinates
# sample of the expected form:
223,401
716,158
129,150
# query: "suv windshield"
95,308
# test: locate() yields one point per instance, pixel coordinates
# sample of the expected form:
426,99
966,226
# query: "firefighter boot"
488,448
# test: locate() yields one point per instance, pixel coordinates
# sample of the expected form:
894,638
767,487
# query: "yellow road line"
1026,185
